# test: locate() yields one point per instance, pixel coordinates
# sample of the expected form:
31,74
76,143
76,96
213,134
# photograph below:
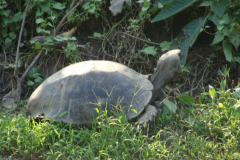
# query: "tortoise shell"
75,93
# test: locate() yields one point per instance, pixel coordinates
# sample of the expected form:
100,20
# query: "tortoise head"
168,67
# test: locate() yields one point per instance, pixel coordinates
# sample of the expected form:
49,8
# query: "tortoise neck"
168,67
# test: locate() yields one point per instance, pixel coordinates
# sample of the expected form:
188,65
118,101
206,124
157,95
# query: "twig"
19,40
40,53
60,23
72,3
5,54
141,39
20,80
31,65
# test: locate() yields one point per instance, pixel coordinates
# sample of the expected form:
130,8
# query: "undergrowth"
208,131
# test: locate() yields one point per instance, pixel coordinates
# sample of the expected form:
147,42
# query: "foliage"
209,130
188,36
117,5
171,8
149,50
226,18
223,13
34,74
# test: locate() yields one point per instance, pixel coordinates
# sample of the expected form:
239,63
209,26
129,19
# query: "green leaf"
169,107
21,44
33,72
158,4
227,49
12,35
218,37
3,4
73,38
215,19
236,59
146,5
30,83
39,20
188,36
92,9
234,36
59,6
5,12
98,35
219,6
6,21
212,92
49,24
134,110
40,30
220,27
60,38
149,50
237,111
45,7
184,98
17,17
223,84
205,4
37,45
173,8
165,45
4,32
86,5
8,40
63,113
225,19
38,79
237,92
39,13
194,28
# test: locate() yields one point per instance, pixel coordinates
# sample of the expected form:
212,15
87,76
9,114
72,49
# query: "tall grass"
209,131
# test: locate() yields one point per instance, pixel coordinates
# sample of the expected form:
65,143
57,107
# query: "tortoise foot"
148,118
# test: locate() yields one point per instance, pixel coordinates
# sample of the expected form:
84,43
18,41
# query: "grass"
208,131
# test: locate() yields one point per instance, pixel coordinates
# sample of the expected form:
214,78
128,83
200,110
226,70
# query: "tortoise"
75,93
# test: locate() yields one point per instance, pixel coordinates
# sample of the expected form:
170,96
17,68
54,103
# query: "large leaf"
169,107
219,36
219,6
184,98
116,6
158,3
194,28
173,8
227,49
234,36
188,36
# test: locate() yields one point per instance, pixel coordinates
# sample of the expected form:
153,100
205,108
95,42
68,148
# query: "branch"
40,53
19,40
72,3
31,65
141,39
60,23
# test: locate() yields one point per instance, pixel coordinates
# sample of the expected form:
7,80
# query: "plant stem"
19,40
